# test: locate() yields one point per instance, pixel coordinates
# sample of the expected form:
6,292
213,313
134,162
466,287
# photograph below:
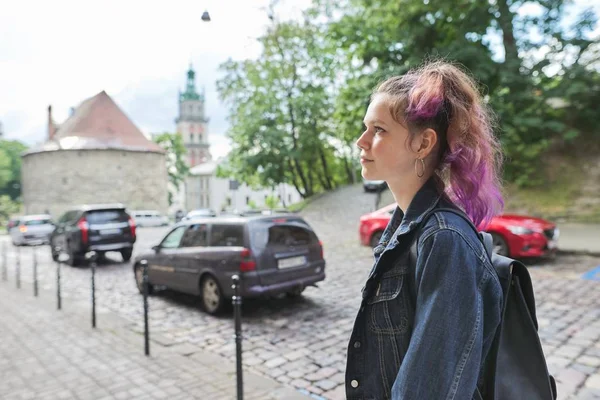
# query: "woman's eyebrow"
375,121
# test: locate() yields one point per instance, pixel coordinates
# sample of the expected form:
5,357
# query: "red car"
515,236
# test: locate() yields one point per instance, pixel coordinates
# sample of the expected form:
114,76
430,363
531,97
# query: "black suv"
273,254
98,228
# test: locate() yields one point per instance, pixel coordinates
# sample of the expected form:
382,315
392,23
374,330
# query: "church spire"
190,87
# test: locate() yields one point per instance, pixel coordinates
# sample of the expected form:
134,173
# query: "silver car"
31,230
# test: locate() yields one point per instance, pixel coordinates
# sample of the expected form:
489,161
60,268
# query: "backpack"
515,367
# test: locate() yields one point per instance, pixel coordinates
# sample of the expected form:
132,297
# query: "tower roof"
99,123
190,87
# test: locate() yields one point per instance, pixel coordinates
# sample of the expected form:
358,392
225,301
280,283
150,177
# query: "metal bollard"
18,268
35,274
4,262
144,264
58,296
237,314
93,267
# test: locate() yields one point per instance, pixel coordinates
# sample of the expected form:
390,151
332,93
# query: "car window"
268,234
195,236
43,221
227,235
173,239
106,216
64,218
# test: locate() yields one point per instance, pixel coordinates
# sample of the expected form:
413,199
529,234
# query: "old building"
96,156
192,122
203,189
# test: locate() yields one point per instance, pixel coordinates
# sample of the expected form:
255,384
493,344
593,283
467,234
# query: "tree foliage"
177,167
10,168
296,111
281,113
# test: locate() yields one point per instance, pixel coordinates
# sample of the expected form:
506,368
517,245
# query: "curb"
592,253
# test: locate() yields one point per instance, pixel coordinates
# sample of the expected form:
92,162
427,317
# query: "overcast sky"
61,52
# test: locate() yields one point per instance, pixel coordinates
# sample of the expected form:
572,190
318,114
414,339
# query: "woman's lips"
365,160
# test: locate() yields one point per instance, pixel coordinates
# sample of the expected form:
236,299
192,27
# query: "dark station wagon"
273,254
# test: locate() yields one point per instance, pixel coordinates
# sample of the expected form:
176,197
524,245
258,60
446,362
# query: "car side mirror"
156,248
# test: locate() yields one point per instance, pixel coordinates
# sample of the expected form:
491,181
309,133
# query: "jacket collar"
426,198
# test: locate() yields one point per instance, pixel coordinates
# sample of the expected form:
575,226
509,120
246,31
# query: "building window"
289,198
191,138
247,200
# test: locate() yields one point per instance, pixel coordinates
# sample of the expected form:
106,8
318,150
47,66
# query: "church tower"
191,122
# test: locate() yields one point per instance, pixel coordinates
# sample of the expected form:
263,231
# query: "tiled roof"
99,123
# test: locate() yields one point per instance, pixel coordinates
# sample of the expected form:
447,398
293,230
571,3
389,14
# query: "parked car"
99,228
149,218
515,236
374,186
273,254
12,222
31,229
199,213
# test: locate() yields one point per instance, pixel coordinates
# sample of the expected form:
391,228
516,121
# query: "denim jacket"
422,333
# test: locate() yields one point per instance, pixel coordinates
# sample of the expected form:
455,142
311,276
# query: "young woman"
426,323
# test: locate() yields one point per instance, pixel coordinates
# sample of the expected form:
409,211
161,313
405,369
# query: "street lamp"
205,16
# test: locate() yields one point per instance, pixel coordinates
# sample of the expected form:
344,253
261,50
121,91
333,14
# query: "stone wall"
58,180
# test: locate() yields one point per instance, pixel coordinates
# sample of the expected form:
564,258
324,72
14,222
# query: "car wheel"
126,254
212,298
297,292
500,246
375,238
55,254
74,259
139,280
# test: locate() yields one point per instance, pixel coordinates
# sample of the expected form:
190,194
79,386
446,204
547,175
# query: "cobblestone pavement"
47,354
302,342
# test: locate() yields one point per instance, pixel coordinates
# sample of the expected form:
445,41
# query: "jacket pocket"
388,304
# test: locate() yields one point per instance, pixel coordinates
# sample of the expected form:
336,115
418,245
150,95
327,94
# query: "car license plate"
291,262
108,232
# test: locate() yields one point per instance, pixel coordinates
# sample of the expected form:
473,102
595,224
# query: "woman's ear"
427,143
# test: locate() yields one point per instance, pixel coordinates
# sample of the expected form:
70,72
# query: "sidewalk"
50,354
579,238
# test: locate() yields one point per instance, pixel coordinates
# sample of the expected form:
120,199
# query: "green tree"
379,38
177,167
271,202
10,168
281,112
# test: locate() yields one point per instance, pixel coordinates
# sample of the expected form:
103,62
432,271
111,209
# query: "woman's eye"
378,129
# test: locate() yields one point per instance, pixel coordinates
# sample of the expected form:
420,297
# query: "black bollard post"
4,262
18,268
237,314
58,297
35,275
93,267
144,264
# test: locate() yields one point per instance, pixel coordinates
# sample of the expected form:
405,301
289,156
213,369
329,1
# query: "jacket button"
356,345
354,384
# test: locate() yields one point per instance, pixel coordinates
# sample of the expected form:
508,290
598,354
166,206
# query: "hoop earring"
417,169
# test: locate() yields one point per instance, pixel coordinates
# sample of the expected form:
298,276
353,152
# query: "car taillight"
247,264
84,228
22,229
321,247
132,226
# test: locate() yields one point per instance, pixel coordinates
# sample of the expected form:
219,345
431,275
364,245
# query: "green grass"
556,198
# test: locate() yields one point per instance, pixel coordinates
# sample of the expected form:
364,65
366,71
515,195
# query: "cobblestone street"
302,342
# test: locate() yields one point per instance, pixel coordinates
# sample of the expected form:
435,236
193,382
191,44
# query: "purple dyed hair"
442,97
